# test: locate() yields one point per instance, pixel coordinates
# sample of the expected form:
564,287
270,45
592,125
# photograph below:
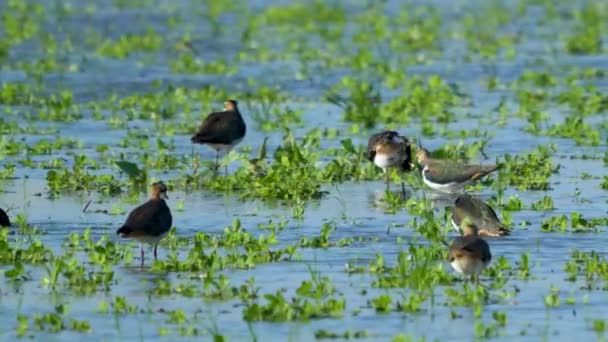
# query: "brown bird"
469,254
480,214
149,222
4,220
449,176
222,130
388,149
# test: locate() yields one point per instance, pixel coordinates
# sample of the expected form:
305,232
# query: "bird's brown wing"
471,246
446,172
211,128
151,218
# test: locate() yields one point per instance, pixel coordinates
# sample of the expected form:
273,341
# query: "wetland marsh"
300,241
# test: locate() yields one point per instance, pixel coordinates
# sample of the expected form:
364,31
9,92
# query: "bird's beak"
163,195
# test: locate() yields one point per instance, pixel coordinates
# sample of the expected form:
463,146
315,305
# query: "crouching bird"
480,214
469,254
150,222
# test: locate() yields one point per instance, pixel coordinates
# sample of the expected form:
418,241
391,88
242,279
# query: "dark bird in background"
4,220
151,221
388,149
222,130
480,214
469,254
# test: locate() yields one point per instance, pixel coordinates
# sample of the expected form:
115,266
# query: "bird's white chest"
467,266
385,161
448,188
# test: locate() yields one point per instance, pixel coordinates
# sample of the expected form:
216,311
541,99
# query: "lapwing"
4,220
151,221
388,149
449,176
222,130
469,254
480,214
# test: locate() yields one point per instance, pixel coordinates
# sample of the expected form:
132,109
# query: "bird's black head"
231,104
158,190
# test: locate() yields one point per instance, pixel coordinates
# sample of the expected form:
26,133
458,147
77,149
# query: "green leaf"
131,169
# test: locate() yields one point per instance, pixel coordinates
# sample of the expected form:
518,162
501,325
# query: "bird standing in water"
151,221
222,130
388,149
469,254
449,176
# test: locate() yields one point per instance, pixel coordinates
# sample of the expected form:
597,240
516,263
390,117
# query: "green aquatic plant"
347,335
382,303
577,223
514,203
530,171
292,175
189,64
474,296
577,129
552,300
590,266
599,325
126,45
120,306
586,38
51,322
79,178
360,105
311,303
323,241
417,269
270,117
604,184
545,203
406,66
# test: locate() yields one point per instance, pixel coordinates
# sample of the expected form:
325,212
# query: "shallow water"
352,205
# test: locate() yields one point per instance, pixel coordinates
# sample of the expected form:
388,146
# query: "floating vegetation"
99,100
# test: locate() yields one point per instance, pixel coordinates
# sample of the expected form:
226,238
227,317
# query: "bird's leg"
388,179
217,160
194,164
155,257
142,254
403,189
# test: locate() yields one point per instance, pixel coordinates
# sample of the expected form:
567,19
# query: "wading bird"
388,149
469,254
449,176
149,222
222,130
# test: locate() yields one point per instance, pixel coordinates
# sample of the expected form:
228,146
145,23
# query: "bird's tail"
198,138
503,230
490,168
